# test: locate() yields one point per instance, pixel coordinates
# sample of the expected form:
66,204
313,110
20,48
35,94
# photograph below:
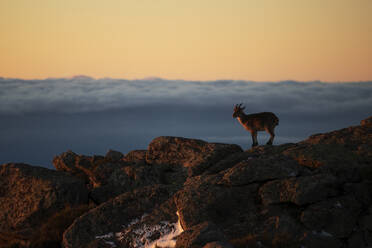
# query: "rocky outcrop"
195,155
299,190
189,193
114,156
136,156
316,193
268,168
168,160
94,170
108,176
31,194
366,122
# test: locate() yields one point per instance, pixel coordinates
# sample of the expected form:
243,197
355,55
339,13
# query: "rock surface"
30,194
195,155
108,176
109,218
200,235
366,122
316,193
190,193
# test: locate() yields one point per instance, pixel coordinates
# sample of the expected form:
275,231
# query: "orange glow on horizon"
266,40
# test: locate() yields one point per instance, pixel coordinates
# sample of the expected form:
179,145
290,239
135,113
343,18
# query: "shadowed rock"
114,156
200,235
136,156
31,194
110,217
336,216
315,193
107,176
301,190
260,170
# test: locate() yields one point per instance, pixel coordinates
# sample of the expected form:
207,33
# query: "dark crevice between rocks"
91,199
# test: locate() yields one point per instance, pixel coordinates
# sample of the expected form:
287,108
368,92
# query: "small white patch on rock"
112,244
169,239
105,236
338,205
143,234
322,233
259,244
325,234
292,174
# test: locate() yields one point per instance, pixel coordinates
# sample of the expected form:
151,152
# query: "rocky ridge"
315,193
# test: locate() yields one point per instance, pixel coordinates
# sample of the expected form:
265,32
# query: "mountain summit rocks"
315,193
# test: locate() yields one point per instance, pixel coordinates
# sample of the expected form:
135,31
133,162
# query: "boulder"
157,228
31,194
108,176
345,153
123,179
337,216
104,221
136,156
253,170
300,190
366,122
228,162
351,137
204,199
200,235
93,170
279,228
196,155
67,162
113,156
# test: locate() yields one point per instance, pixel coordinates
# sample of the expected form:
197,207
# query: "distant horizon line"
154,78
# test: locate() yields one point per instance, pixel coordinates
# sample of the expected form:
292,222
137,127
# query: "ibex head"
238,109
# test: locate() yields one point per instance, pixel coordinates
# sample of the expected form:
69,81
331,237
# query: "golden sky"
262,40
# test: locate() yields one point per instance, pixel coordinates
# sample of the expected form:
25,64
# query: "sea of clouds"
42,118
83,94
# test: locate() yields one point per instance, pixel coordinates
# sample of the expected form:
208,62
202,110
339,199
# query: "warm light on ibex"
265,121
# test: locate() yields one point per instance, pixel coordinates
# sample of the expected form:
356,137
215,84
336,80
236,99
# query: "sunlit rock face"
366,122
194,155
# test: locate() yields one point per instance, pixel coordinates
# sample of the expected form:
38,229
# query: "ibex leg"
272,135
254,139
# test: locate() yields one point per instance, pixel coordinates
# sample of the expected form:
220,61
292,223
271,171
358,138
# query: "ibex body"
265,121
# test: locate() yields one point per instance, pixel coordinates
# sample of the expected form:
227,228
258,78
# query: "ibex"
265,121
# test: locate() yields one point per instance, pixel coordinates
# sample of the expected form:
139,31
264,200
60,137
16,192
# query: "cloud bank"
84,94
